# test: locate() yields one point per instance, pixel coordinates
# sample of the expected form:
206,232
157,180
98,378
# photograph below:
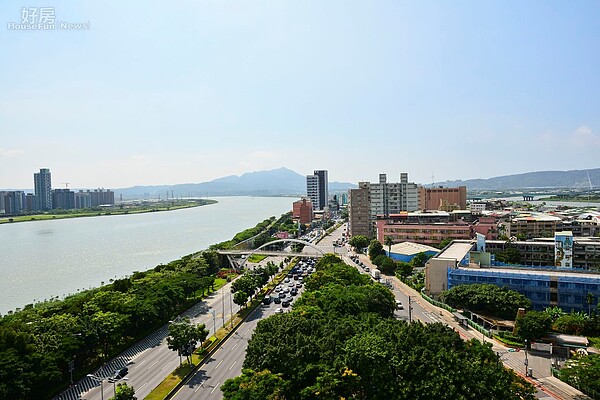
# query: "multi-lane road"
227,361
150,361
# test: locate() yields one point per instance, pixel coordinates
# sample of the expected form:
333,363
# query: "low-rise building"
302,210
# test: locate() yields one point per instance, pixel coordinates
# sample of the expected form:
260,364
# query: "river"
44,259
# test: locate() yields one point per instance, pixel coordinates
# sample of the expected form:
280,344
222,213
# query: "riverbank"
117,210
575,199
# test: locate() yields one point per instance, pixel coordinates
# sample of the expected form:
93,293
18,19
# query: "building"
43,189
545,286
359,220
529,225
477,208
83,199
381,199
12,202
428,234
63,199
317,189
406,251
441,198
102,197
302,211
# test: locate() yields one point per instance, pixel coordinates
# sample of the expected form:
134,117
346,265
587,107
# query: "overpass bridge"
309,250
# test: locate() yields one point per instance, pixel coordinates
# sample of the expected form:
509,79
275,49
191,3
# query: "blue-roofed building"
459,264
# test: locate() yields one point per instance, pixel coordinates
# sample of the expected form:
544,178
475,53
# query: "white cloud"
584,137
11,153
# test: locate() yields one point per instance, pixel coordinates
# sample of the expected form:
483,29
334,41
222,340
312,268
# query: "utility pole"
409,309
526,360
223,301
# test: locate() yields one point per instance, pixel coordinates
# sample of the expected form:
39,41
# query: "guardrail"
216,343
472,324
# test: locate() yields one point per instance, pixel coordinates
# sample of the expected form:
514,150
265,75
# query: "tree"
253,385
419,260
583,372
375,249
533,325
486,299
359,242
573,323
240,298
388,241
510,255
404,269
124,392
183,337
387,266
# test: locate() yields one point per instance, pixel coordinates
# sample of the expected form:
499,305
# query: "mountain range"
275,182
285,182
574,179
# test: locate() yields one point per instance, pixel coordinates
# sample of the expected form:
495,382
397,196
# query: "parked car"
279,310
399,305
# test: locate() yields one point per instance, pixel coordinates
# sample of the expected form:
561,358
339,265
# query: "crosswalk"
108,370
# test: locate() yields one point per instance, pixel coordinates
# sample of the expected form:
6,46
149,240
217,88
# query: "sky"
189,91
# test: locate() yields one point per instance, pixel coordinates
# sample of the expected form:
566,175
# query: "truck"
375,273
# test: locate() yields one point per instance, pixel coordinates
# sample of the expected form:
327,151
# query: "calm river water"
42,259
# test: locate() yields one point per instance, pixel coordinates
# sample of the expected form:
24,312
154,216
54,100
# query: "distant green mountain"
575,179
276,182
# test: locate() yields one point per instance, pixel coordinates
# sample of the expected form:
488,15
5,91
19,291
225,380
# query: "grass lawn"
256,258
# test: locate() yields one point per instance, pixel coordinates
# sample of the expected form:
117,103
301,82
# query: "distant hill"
275,182
575,179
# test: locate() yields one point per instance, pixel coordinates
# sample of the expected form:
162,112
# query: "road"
546,385
226,362
150,361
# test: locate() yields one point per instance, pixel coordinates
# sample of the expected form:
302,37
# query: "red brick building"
303,211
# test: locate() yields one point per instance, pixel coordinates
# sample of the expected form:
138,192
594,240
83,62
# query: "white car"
279,310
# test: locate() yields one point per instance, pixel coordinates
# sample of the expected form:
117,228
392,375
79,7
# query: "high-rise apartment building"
317,189
382,199
43,189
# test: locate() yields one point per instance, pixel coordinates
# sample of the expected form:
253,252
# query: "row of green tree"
342,341
38,343
250,283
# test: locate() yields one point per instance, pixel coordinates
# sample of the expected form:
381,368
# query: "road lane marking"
235,345
218,364
233,364
140,363
215,388
156,362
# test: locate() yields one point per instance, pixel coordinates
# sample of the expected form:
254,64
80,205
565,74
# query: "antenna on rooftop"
432,180
67,183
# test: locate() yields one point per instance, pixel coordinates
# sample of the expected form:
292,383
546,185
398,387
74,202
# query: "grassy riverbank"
116,210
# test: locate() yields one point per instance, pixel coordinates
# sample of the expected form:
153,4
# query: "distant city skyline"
151,94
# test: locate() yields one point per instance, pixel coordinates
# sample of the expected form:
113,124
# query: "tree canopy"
342,341
487,299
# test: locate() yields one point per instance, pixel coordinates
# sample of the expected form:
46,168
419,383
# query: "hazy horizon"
162,94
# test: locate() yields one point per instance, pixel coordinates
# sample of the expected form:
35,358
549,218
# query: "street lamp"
214,322
526,360
98,379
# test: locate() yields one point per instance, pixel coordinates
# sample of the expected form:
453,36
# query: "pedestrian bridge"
309,250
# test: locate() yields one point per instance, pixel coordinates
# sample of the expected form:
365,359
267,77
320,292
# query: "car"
286,280
367,269
285,303
299,284
267,300
279,310
120,373
278,289
277,300
399,305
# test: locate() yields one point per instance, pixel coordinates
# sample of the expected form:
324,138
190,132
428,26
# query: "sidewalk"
542,377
